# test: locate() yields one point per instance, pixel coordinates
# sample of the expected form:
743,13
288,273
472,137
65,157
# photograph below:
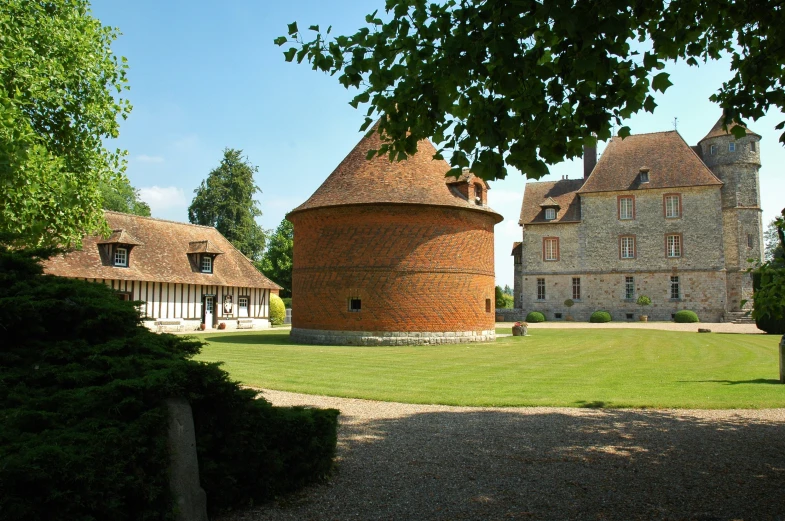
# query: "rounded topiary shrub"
685,316
277,310
535,316
600,316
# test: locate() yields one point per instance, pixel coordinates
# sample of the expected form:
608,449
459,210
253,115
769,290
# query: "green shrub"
600,317
685,316
768,323
277,310
287,302
82,421
535,316
569,303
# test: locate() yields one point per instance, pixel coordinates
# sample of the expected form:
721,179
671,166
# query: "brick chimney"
589,160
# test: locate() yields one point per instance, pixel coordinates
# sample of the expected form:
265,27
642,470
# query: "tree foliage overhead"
59,86
768,297
525,83
120,196
771,241
226,201
276,263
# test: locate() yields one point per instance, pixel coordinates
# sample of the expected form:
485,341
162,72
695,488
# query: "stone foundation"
385,338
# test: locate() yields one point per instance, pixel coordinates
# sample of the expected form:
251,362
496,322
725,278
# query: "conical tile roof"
420,179
717,130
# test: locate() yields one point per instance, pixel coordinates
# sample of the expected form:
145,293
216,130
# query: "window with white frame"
207,264
550,214
540,289
242,305
675,289
629,288
731,147
627,247
672,206
673,242
576,288
626,208
550,248
121,257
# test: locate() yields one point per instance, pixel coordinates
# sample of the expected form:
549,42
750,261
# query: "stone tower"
736,162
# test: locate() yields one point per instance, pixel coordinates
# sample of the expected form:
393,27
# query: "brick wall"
414,268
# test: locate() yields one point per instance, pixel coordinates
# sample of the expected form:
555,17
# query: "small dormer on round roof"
470,187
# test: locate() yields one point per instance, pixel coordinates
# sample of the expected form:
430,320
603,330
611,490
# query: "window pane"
674,246
672,206
625,208
540,289
629,287
627,247
576,288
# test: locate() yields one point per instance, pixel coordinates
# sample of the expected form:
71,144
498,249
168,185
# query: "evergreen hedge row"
82,420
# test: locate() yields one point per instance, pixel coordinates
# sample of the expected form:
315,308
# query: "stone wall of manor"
700,291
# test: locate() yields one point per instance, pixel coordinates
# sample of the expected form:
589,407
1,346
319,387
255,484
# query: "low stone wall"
509,315
378,338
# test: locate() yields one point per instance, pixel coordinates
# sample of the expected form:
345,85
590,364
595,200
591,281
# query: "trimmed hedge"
685,316
600,317
535,316
768,324
277,310
83,432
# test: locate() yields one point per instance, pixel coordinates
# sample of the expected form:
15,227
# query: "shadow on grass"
275,338
596,404
735,382
528,464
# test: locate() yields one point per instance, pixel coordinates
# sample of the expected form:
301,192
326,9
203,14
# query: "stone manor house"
654,216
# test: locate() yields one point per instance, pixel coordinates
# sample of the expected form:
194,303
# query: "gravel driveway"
423,462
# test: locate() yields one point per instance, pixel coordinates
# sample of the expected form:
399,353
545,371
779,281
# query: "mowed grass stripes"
551,367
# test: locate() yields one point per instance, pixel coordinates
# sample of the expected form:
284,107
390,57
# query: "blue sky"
206,75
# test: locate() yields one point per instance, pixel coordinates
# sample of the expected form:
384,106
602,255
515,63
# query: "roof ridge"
160,220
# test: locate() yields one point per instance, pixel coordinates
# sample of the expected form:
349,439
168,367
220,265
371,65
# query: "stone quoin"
394,253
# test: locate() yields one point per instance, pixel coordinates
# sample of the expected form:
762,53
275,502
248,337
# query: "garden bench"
169,325
244,323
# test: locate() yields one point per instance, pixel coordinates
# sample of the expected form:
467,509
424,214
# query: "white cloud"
149,159
163,200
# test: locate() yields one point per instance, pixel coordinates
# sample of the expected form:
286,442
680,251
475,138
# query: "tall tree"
771,240
120,196
277,260
59,86
527,83
226,200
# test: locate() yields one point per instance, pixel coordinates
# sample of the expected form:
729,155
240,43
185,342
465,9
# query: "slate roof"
120,237
562,192
420,180
717,130
671,162
161,255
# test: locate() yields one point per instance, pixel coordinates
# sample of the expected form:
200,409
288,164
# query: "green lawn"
569,367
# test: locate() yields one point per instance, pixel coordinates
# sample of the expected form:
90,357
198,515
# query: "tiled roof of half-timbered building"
160,251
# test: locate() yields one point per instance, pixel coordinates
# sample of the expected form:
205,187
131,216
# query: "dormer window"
121,257
550,214
207,264
644,175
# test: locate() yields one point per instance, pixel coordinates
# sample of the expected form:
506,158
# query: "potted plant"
520,329
222,325
568,304
643,301
202,326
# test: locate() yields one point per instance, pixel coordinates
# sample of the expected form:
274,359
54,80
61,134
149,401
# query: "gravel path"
430,462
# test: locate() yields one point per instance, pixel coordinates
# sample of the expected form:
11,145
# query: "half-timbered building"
183,275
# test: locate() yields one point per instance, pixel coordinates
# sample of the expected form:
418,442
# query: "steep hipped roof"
718,131
161,256
420,179
671,162
562,192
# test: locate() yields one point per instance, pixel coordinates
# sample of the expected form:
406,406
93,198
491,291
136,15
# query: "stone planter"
519,330
644,318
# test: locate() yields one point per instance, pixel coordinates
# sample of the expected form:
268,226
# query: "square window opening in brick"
355,305
487,305
629,316
557,316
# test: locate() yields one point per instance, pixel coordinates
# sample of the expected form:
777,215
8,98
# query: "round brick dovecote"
393,272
